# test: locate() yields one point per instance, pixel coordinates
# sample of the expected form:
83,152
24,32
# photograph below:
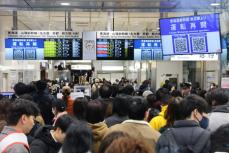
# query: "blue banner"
24,43
191,24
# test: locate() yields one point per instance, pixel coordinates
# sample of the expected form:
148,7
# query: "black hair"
30,88
114,88
105,91
4,106
79,108
63,122
219,96
20,88
176,93
1,96
201,93
78,138
138,107
95,111
121,105
163,95
41,85
190,103
21,107
152,102
105,143
127,90
26,96
60,105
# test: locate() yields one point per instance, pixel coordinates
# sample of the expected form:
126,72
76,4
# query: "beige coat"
137,129
98,131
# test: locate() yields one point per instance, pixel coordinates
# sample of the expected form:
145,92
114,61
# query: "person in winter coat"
187,133
159,121
48,139
78,138
66,91
44,101
95,116
220,139
135,126
220,111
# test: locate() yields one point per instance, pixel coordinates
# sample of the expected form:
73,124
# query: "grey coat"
186,133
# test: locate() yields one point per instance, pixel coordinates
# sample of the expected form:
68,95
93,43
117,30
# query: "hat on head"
146,93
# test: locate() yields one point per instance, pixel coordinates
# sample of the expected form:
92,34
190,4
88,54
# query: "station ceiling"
115,5
94,15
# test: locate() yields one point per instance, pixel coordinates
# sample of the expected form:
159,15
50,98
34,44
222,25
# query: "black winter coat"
186,133
44,102
44,142
220,139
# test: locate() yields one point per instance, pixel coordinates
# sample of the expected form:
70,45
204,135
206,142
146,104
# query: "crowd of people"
117,118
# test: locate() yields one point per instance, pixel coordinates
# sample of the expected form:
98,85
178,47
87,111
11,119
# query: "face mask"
204,122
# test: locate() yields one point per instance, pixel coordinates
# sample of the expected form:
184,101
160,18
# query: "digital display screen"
190,35
147,49
24,49
63,49
115,49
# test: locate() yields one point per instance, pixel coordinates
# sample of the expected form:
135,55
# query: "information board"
24,49
63,49
147,49
190,35
115,49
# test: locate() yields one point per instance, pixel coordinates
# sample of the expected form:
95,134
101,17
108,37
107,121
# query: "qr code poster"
199,43
18,54
30,54
146,54
180,44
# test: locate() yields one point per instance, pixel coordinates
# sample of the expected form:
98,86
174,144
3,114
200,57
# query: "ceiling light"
65,4
215,4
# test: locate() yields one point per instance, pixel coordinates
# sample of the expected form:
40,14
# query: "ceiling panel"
114,5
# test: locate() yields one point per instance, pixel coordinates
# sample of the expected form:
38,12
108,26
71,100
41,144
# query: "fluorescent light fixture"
112,68
215,4
81,67
65,4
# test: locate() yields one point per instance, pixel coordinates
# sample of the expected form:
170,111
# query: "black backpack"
172,146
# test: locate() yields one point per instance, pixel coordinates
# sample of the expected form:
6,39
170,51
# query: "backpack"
171,145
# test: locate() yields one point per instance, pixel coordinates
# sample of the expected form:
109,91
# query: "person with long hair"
78,138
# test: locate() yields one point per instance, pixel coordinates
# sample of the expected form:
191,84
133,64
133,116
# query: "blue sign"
145,49
24,49
191,35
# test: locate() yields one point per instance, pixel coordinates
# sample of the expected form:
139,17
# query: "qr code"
199,44
18,54
180,45
30,54
146,55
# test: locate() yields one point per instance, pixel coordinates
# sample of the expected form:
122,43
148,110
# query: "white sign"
89,45
81,67
225,83
43,34
127,35
196,57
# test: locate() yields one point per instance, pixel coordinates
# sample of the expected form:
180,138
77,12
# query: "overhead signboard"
43,34
147,49
127,35
24,49
115,49
191,35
